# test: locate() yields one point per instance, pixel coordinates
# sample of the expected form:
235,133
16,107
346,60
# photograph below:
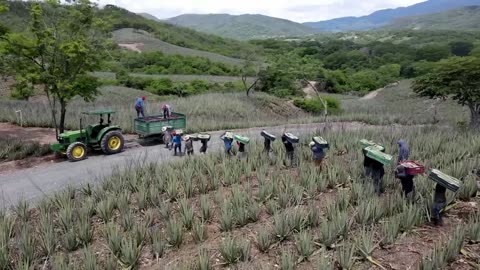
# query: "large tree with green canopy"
457,78
63,43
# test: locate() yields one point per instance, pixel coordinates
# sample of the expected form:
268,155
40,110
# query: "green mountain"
242,27
384,17
467,18
149,16
17,19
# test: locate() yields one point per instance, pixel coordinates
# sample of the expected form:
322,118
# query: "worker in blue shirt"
140,106
227,141
177,143
318,154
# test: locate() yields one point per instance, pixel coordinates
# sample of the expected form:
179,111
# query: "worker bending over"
140,106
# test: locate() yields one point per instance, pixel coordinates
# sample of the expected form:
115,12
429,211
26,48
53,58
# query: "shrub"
316,106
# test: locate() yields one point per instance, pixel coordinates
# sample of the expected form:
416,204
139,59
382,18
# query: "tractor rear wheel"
76,151
112,142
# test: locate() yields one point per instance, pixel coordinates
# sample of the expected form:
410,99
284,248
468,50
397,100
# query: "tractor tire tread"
106,137
70,157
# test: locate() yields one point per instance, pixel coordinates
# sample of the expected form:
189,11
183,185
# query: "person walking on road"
177,144
140,107
227,139
188,145
167,138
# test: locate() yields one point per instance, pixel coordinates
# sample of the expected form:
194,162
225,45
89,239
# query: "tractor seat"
94,130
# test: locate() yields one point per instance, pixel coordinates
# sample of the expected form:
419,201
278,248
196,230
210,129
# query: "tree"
461,48
457,78
63,43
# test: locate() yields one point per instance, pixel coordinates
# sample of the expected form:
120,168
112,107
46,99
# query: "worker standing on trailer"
403,151
439,202
177,143
188,145
227,139
167,137
167,110
140,106
318,154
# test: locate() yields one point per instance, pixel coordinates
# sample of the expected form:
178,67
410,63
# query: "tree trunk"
475,117
63,110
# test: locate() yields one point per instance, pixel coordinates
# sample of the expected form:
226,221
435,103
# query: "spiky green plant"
313,218
114,239
126,220
226,218
173,186
325,262
87,190
187,214
365,244
468,189
66,217
105,209
130,252
304,243
203,260
281,226
60,262
199,232
328,233
158,243
410,217
111,262
123,201
47,237
165,211
139,232
474,228
263,240
148,217
287,260
233,251
188,187
389,230
174,233
84,231
27,246
297,219
272,207
143,197
253,211
436,259
205,208
241,216
345,256
89,259
393,204
4,256
455,244
70,241
369,211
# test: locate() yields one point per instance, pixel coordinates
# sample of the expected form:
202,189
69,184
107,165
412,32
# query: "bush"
316,106
162,86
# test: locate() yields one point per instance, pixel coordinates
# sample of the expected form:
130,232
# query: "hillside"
242,27
141,40
150,17
17,19
383,17
467,18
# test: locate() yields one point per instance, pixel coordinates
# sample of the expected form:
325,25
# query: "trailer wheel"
76,152
112,142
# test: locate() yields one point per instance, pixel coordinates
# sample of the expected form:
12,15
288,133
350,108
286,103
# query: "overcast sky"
295,10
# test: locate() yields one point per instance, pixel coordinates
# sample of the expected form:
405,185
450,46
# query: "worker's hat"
164,129
186,138
311,144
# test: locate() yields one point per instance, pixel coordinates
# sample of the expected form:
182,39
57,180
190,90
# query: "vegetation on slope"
467,18
248,26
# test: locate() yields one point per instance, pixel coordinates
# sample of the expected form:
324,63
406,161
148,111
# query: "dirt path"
33,183
372,94
309,91
40,135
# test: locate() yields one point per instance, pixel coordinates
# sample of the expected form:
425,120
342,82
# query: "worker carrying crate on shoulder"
289,140
444,182
318,145
227,139
267,144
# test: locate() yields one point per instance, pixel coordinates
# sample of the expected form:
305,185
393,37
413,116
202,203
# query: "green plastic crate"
241,139
321,142
366,143
374,153
445,180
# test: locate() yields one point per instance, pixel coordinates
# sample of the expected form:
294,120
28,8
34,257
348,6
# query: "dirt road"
34,183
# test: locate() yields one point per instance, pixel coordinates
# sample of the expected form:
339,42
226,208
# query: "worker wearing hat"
188,145
140,106
167,138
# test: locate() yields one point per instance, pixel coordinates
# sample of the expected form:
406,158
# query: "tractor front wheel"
112,142
76,151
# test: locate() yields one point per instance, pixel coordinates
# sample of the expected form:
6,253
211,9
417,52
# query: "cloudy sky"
295,10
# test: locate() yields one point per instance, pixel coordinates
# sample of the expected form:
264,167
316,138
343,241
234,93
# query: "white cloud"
296,10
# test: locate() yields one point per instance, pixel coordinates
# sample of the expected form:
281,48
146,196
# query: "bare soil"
136,47
33,134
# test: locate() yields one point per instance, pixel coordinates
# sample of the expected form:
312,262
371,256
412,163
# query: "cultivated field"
150,43
217,111
213,212
178,77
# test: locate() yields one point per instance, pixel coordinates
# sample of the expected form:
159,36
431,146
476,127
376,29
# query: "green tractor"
104,136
